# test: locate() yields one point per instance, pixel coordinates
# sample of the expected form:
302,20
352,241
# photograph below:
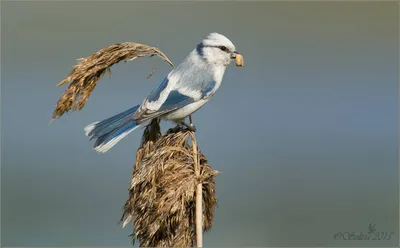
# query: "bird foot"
189,127
192,128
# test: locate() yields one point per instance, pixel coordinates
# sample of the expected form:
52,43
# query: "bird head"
217,49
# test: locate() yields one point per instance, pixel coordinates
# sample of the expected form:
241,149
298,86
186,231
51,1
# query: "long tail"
110,131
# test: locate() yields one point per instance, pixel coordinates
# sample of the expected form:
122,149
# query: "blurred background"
305,135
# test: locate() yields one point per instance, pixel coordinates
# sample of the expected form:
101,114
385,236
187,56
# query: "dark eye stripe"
223,48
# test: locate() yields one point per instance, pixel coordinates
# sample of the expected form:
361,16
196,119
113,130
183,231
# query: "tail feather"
106,141
110,131
100,128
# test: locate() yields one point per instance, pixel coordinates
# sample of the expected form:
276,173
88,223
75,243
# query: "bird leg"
190,126
190,120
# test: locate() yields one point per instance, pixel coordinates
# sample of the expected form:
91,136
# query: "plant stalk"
199,193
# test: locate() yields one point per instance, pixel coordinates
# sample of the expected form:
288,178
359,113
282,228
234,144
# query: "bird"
183,91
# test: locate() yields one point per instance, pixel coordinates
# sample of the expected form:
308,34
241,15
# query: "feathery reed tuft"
86,74
162,192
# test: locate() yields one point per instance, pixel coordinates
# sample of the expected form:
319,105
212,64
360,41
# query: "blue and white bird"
181,93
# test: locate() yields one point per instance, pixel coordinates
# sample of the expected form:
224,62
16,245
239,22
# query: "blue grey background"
305,134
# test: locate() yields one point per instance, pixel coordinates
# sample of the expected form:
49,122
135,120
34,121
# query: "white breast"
182,113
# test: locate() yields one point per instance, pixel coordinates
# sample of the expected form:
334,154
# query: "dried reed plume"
86,74
162,192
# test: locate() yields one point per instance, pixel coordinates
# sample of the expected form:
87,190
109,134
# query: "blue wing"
174,101
155,93
178,89
208,89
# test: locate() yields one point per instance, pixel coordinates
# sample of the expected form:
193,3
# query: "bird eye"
223,48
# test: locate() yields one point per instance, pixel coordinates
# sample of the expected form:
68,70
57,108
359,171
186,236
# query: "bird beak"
233,55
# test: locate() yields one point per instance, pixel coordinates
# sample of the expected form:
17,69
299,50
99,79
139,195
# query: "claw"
189,127
192,128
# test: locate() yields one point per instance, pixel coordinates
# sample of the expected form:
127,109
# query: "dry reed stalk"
85,75
199,192
199,195
162,194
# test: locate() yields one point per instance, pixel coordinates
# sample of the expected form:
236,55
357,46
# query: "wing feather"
174,101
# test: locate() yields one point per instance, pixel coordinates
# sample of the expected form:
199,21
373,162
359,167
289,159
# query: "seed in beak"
239,60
